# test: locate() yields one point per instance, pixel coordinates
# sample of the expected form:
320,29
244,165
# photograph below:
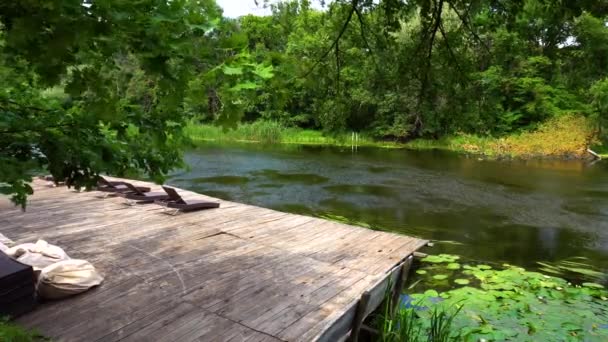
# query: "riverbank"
566,137
267,132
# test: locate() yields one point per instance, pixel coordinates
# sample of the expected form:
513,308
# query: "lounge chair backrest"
110,184
103,181
173,195
133,188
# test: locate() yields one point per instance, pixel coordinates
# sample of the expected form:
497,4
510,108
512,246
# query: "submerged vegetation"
478,302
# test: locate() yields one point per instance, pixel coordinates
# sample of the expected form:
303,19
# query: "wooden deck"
235,273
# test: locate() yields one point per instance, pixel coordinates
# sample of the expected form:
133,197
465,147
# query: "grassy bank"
274,133
564,137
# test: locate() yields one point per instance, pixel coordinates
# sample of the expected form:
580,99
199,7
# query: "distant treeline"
402,70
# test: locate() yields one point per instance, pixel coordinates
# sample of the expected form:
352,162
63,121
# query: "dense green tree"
91,87
403,70
599,96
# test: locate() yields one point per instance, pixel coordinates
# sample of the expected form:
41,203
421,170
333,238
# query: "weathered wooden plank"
289,298
314,322
288,312
126,305
159,318
52,311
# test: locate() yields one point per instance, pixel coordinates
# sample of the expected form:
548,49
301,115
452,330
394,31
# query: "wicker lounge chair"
175,201
134,194
118,187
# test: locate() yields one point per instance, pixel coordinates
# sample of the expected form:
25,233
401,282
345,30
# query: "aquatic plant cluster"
494,304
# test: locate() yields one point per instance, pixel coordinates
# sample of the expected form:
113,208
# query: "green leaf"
461,281
440,277
245,85
441,258
206,27
227,70
264,72
160,18
132,130
431,293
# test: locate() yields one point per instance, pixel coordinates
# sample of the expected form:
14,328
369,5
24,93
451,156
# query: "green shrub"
563,136
10,332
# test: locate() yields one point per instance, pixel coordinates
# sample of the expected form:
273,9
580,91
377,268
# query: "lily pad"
431,293
441,258
453,266
511,303
421,272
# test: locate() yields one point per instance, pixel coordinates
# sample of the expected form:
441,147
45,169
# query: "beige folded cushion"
66,278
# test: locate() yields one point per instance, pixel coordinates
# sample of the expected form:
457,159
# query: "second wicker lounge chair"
176,202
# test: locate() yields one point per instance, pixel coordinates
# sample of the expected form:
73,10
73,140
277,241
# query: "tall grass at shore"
272,132
566,136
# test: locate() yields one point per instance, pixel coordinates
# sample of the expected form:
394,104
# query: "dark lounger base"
17,287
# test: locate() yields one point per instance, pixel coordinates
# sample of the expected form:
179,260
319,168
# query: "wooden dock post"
375,298
401,281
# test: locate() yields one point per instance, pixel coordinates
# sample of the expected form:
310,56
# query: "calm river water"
495,211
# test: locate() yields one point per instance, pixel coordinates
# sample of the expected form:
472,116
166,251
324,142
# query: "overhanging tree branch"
363,28
354,4
449,48
468,25
435,22
28,107
40,129
337,53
